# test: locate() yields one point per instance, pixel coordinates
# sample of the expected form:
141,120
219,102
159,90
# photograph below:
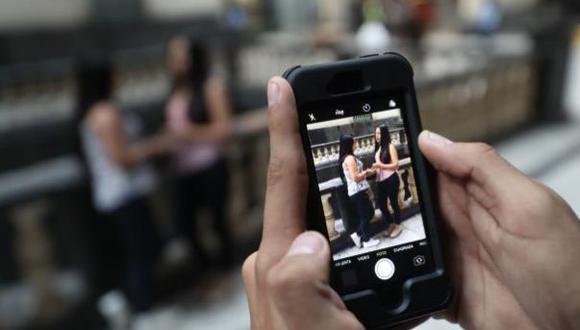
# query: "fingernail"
273,93
438,139
306,243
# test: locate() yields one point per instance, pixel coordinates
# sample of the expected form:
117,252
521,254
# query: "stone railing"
327,153
331,189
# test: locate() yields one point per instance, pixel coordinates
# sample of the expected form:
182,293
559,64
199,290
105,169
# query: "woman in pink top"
199,113
387,164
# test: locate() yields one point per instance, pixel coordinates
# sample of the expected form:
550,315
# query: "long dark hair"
346,144
94,83
384,144
199,64
94,77
198,75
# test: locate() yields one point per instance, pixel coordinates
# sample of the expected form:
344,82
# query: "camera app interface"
367,186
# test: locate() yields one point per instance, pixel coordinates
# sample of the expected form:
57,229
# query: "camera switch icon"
418,260
366,107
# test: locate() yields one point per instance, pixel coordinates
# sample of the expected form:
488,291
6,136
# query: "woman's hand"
287,278
160,143
514,244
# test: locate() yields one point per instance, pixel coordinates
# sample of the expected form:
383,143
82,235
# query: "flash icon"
311,116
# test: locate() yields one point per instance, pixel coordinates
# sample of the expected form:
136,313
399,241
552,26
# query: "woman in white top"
352,174
120,178
199,112
386,164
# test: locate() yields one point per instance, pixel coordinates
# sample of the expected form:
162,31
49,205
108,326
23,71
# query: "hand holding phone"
497,216
273,273
360,108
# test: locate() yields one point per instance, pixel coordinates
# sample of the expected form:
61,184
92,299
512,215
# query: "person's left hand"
287,278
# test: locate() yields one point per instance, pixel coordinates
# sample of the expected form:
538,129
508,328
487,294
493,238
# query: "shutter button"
384,269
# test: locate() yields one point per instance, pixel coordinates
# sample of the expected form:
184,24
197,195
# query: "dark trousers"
389,190
207,189
139,242
364,211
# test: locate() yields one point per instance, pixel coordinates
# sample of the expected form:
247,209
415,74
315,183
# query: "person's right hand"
514,244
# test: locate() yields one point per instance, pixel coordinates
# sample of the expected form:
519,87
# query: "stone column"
329,216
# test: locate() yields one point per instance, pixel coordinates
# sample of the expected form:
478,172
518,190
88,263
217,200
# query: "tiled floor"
223,307
412,231
551,154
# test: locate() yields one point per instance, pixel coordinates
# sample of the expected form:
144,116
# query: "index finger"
286,190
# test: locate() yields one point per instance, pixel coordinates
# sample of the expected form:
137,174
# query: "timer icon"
366,107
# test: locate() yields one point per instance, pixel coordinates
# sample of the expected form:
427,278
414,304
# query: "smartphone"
371,192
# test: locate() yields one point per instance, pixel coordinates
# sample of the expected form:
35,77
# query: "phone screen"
370,200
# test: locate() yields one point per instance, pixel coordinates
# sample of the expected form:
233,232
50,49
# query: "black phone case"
424,294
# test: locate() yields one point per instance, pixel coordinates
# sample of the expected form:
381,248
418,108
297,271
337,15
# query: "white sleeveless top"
112,185
354,187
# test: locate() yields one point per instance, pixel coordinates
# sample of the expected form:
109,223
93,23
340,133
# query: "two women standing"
355,176
117,156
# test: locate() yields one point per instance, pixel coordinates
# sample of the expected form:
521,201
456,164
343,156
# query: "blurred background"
134,146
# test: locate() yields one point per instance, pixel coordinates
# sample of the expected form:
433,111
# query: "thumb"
301,277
